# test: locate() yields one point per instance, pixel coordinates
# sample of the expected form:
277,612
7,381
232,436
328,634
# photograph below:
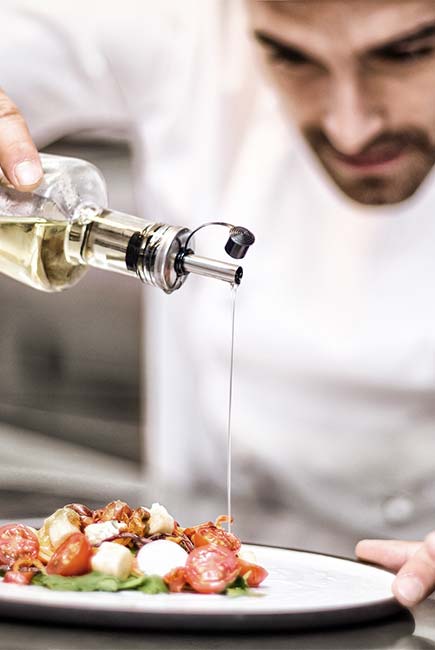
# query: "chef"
313,124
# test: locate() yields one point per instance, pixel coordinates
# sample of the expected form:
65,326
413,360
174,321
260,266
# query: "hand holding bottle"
19,159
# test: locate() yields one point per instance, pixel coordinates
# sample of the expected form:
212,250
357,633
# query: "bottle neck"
115,241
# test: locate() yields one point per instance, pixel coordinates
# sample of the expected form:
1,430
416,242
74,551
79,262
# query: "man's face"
358,79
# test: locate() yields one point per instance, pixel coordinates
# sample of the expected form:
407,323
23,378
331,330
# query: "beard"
387,186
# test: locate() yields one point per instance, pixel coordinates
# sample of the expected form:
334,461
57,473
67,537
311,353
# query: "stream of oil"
230,402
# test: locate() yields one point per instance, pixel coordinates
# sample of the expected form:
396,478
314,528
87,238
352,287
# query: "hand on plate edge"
413,561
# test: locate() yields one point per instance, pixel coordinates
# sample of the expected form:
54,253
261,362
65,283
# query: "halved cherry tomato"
176,579
254,574
211,534
209,569
17,540
18,577
72,557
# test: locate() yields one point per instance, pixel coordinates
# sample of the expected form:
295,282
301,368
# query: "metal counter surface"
403,632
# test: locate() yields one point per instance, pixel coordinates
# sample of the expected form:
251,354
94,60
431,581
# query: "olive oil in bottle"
50,237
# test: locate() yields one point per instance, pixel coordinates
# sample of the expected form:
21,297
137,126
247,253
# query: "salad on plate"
119,548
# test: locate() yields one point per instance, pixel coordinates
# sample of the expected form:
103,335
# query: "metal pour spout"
239,241
159,254
191,263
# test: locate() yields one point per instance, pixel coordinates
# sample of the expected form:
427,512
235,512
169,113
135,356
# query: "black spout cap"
239,241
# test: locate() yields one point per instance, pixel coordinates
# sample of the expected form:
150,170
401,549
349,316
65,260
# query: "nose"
352,119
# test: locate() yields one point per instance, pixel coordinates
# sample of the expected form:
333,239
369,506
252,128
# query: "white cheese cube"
97,533
63,523
113,559
160,520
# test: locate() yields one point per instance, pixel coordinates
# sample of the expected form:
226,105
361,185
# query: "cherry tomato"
211,534
209,569
176,579
17,540
72,557
18,577
254,574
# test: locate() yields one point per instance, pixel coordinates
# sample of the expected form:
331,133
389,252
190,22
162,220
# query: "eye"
281,53
404,55
286,55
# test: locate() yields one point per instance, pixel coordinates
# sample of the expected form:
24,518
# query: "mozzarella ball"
159,557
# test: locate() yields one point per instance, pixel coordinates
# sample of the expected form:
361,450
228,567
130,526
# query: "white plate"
302,590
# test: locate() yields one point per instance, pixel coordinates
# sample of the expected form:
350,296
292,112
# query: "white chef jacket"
334,410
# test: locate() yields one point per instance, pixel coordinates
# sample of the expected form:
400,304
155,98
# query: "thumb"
19,159
416,579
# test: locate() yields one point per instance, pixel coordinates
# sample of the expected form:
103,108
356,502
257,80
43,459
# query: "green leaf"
240,588
96,581
154,585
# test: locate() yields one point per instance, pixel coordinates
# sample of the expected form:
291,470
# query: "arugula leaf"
240,588
153,585
95,581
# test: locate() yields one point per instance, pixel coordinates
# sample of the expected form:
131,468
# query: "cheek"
407,100
419,108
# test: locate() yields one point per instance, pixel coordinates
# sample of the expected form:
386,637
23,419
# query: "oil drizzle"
230,402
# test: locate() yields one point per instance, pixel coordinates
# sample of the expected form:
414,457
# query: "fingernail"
409,588
27,172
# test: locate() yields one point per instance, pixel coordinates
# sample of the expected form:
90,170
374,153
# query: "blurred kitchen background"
70,407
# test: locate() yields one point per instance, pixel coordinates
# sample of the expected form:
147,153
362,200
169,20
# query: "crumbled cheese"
113,559
160,520
247,555
97,533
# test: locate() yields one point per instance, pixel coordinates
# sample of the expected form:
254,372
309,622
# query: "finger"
416,579
19,157
389,553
